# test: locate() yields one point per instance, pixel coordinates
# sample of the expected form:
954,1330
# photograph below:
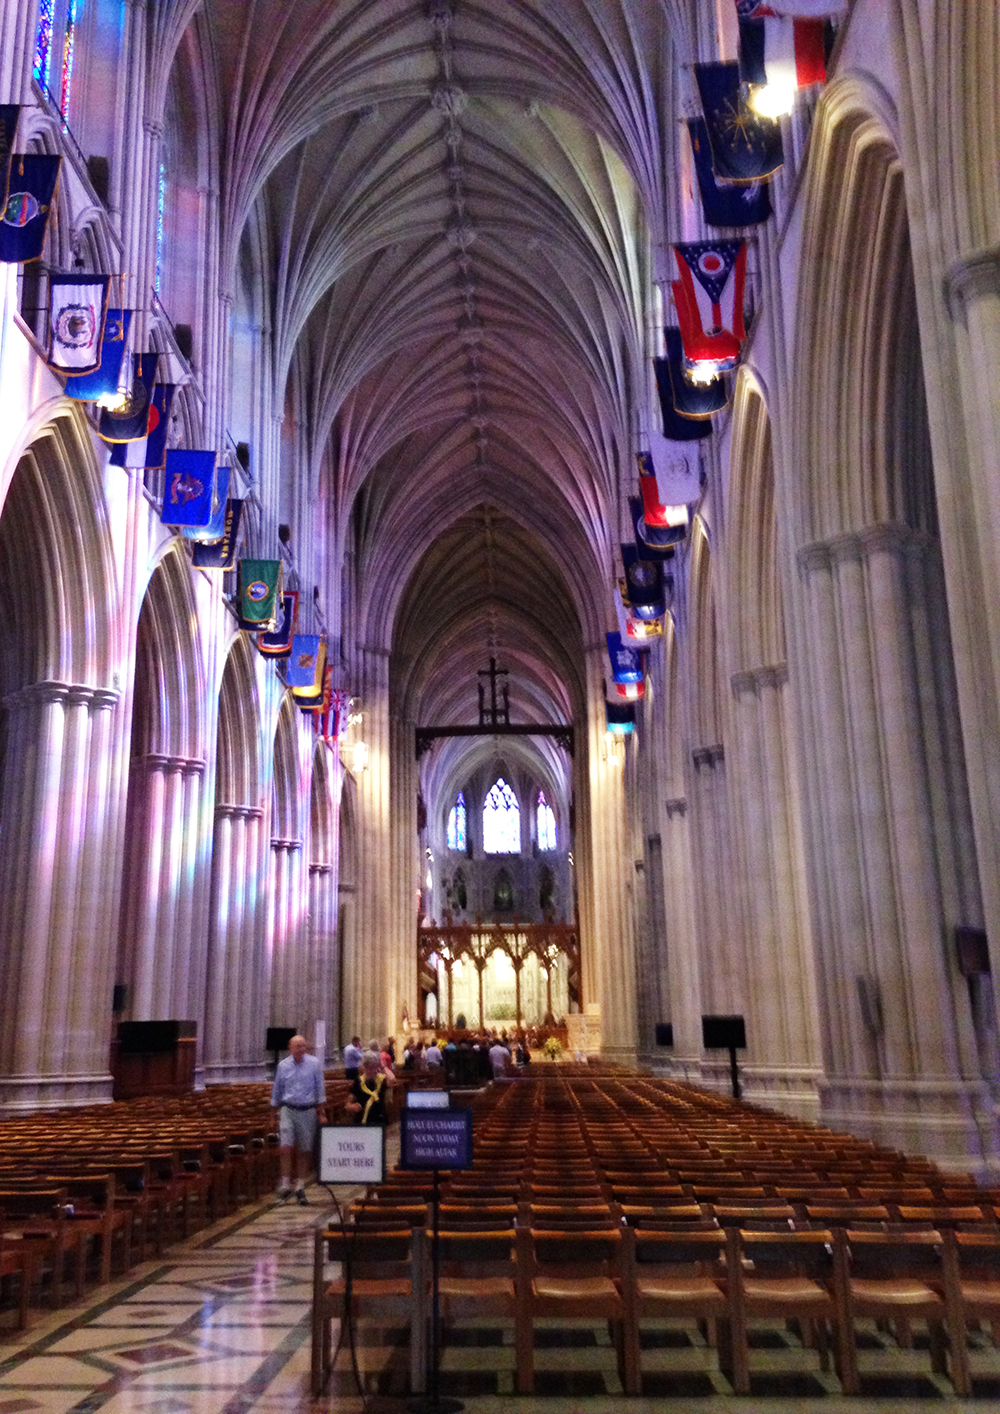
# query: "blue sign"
435,1139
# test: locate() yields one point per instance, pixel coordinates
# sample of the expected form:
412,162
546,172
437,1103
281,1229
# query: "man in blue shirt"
352,1058
299,1096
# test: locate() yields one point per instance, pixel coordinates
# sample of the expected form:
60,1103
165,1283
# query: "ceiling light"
772,100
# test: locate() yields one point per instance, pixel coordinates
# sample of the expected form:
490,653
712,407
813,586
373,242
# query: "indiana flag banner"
626,665
129,421
619,717
630,691
103,381
306,667
9,115
691,400
213,531
187,494
77,305
709,299
31,190
220,554
783,50
725,204
261,586
279,643
745,147
148,452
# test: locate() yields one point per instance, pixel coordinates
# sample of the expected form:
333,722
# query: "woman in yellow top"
369,1092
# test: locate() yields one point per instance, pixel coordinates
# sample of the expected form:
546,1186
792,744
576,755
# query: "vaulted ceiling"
453,206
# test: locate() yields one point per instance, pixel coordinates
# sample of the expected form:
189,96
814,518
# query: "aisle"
221,1326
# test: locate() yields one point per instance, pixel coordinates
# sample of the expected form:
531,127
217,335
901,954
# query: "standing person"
432,1056
367,1100
499,1058
299,1096
352,1058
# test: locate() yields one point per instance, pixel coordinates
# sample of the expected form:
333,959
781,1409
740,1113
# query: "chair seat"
476,1288
896,1291
572,1288
981,1293
371,1286
781,1290
680,1289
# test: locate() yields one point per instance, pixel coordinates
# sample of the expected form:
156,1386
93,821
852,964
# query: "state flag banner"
675,427
221,554
677,467
321,710
279,643
187,494
261,585
725,204
697,400
77,305
128,421
709,299
9,115
619,717
340,706
639,633
644,582
630,691
102,382
626,665
805,9
149,452
31,192
656,515
213,531
782,50
658,542
745,147
306,667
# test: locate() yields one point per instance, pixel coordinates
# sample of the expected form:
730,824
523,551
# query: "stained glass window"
43,42
161,205
501,820
67,63
456,823
546,823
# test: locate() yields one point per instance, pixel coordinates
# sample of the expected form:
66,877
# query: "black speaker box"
723,1033
664,1033
278,1037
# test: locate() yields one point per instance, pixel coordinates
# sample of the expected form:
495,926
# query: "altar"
488,975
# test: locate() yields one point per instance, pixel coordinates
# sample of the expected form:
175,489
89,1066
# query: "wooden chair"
571,1274
35,1218
18,1260
895,1277
477,1274
972,1293
383,1275
672,1275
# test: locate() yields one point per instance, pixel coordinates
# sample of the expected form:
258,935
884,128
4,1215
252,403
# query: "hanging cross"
494,715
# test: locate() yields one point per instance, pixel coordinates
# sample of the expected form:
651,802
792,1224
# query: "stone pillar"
368,967
900,1055
55,866
18,19
682,941
783,1065
236,1007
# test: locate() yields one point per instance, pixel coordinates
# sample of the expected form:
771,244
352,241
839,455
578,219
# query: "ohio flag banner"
709,299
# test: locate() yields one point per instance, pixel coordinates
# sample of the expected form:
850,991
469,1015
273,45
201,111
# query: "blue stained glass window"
161,204
546,823
43,42
456,823
501,820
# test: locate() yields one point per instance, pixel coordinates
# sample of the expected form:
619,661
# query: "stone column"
18,19
368,967
236,1009
682,941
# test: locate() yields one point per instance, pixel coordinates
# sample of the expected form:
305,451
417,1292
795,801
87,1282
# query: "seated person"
369,1092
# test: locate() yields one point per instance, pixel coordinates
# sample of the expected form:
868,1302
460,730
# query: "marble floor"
220,1325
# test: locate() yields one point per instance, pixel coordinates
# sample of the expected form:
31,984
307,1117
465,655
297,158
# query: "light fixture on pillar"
613,749
359,757
353,747
772,100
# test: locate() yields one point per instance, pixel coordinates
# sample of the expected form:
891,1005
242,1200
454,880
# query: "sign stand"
435,1139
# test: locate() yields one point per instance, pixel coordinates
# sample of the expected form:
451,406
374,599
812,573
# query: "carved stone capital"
706,758
677,806
755,680
974,278
193,767
321,869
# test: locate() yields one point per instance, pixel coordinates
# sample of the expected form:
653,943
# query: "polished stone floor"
220,1325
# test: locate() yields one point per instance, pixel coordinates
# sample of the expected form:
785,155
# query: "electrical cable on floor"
348,1320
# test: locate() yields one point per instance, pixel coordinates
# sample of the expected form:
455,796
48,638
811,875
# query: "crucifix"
494,715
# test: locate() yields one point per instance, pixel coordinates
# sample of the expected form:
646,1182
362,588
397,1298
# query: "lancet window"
456,823
546,823
501,820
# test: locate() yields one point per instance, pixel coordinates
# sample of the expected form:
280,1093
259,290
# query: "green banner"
261,586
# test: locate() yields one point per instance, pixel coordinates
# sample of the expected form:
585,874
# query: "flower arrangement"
552,1049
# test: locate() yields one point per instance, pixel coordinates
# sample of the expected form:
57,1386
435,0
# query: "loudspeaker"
664,1033
119,997
870,1002
973,951
185,340
723,1033
278,1037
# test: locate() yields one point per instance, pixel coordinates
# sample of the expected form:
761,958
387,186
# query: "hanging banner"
619,717
709,300
148,453
630,691
187,495
644,583
745,147
339,710
306,666
626,665
103,381
213,531
77,305
694,398
782,50
279,643
725,204
129,420
221,555
31,192
659,519
261,586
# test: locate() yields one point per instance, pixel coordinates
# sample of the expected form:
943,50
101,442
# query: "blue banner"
221,554
304,664
215,528
103,382
644,582
626,663
129,422
31,191
187,495
9,114
725,205
745,147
